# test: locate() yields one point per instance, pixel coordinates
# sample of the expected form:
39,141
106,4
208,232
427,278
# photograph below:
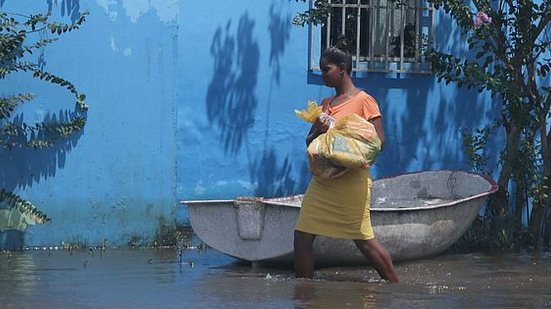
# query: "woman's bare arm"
378,124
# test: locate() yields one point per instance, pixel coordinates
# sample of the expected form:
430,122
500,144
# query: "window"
385,35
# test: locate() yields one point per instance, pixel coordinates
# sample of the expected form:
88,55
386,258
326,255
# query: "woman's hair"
339,54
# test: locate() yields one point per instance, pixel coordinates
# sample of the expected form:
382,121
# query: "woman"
339,207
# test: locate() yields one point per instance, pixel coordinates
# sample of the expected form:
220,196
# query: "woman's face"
332,74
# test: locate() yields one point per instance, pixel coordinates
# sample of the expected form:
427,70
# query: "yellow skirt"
338,208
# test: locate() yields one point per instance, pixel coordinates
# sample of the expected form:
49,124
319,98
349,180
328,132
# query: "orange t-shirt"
362,104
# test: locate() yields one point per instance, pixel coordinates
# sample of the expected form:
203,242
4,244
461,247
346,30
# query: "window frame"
386,63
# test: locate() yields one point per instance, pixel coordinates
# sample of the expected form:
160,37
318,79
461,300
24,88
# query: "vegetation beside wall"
173,235
21,38
510,59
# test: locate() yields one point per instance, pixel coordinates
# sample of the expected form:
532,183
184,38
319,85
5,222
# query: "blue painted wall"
117,180
194,100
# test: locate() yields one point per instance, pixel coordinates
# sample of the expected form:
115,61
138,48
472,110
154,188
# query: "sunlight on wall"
167,10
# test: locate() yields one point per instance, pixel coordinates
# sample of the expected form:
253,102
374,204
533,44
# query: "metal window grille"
387,36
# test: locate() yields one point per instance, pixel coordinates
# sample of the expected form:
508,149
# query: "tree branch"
544,22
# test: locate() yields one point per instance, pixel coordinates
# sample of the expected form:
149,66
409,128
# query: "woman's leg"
377,254
304,254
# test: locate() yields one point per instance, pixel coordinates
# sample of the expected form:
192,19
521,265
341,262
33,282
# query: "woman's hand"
316,130
319,127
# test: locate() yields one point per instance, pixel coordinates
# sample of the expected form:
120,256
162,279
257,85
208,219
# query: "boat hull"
414,216
259,234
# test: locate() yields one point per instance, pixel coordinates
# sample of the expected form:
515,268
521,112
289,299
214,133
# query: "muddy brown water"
172,278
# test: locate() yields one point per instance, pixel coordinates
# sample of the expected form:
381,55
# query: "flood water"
192,278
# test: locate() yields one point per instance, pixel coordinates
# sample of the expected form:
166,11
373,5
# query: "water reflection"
326,294
174,278
18,277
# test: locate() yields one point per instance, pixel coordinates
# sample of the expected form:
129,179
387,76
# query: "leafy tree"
510,58
17,43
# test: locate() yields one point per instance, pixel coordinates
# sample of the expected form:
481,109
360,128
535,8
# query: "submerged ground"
193,278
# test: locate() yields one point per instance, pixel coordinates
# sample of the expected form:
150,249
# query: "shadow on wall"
279,28
70,8
272,177
433,131
231,101
423,129
232,104
22,167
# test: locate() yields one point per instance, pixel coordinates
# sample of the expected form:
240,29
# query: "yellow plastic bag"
311,113
314,112
352,143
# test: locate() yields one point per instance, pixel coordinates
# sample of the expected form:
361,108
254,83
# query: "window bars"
384,35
